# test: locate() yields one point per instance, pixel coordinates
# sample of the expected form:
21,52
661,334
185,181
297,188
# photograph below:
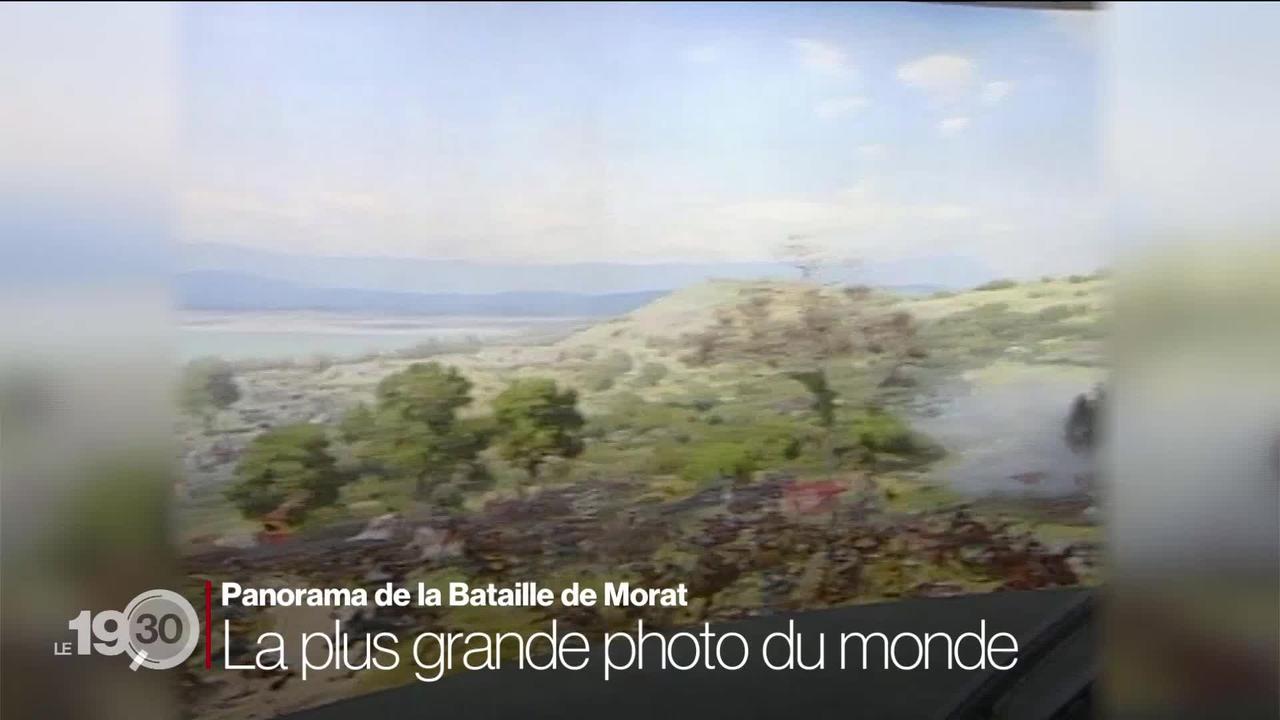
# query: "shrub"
880,431
601,375
1002,284
652,373
718,460
1054,313
596,381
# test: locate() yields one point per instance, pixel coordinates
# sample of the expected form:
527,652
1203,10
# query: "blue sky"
640,133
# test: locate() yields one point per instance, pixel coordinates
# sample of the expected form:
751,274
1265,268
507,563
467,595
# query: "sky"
643,132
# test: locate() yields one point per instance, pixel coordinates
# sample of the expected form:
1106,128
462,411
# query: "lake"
302,335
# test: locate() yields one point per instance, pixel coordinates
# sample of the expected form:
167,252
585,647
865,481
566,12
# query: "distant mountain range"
445,277
232,291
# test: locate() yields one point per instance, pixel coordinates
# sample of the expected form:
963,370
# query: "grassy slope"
635,366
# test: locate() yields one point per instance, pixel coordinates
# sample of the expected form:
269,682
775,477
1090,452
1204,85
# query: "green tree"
536,420
425,392
824,406
414,430
286,469
207,386
824,398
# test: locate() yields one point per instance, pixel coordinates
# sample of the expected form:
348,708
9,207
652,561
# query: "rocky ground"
778,545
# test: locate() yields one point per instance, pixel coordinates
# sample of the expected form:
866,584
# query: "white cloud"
833,108
952,126
944,78
995,91
858,220
871,150
821,56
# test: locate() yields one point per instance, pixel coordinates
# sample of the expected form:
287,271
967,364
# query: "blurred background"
87,146
1191,627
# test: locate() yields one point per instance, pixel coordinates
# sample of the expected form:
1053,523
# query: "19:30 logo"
158,629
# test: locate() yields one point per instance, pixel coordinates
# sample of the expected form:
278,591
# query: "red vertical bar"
208,624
